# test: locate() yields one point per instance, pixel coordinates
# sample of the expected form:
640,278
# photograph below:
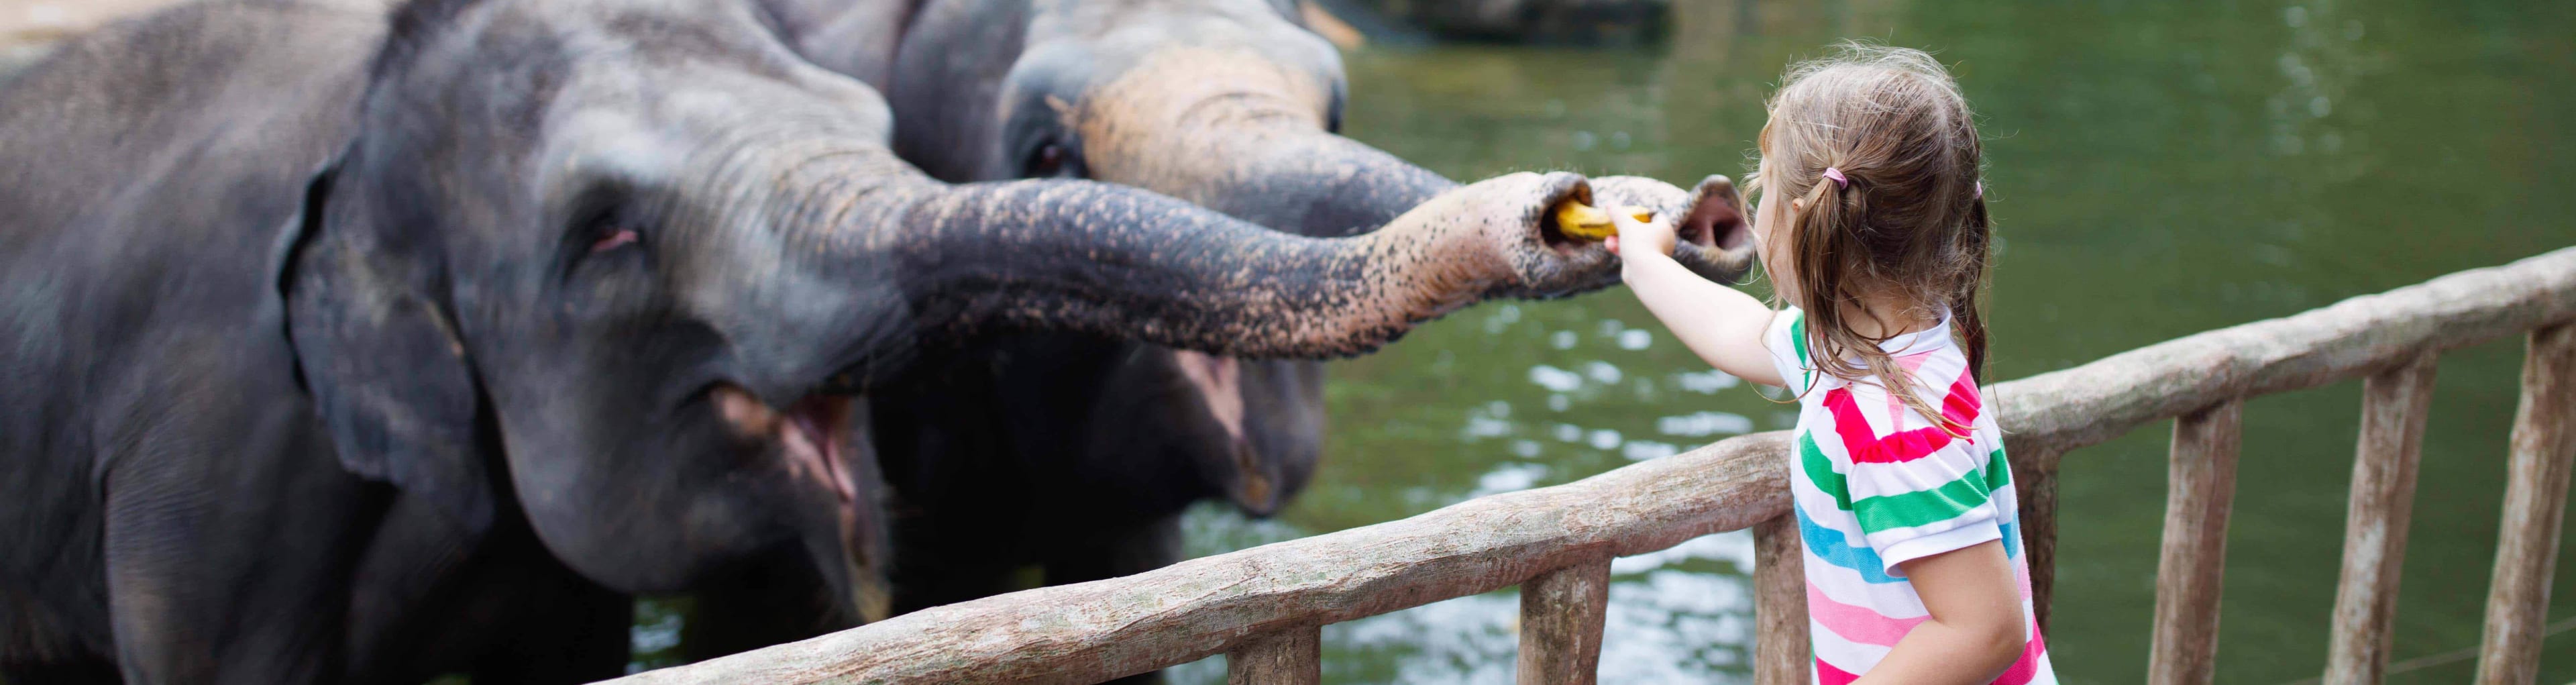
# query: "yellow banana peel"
1586,222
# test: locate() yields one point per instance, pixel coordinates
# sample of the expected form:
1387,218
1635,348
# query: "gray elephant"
587,299
1077,453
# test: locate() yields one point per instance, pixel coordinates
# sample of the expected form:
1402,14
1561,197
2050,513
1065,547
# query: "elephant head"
1230,104
633,267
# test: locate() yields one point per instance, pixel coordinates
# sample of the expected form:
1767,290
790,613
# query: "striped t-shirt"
1877,485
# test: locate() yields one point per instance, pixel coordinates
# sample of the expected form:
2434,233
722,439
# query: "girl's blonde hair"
1908,216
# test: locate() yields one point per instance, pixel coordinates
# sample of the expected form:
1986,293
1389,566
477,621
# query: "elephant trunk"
1306,181
1299,179
1095,258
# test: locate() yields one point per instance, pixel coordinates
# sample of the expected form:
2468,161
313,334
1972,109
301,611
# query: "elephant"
350,347
1077,453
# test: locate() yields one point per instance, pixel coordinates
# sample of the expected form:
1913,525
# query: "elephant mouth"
1219,382
1220,385
816,437
813,434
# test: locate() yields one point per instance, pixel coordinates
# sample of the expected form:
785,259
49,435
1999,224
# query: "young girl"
1872,225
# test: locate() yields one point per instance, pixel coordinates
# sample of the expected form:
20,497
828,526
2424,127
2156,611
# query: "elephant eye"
1048,160
611,238
1333,114
605,225
1053,159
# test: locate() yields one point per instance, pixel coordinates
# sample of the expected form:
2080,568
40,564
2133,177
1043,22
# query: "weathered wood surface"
2535,505
1289,657
2393,409
1088,632
2063,410
2052,413
1780,650
1093,631
2199,492
2035,481
1561,615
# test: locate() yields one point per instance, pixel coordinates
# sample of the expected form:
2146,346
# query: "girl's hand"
1722,325
1637,239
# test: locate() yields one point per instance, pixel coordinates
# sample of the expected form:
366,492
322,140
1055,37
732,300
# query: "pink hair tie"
1981,190
1837,176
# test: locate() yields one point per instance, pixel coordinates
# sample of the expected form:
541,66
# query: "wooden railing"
1264,607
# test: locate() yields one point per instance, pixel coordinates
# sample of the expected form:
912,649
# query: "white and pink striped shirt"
1877,484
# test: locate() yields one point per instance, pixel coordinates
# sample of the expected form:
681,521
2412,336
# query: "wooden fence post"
2535,504
2034,478
2393,407
1781,654
1561,614
2200,488
1290,657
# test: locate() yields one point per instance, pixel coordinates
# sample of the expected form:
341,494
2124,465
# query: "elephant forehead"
1162,21
603,141
1199,86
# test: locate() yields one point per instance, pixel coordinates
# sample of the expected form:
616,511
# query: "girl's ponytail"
1831,218
1877,155
1967,314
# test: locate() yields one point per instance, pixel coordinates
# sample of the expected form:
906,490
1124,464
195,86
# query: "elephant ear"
381,358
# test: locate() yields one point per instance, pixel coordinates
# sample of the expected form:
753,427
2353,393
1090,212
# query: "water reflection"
1704,424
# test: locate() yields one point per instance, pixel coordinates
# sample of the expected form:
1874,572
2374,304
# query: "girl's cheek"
1763,243
1774,265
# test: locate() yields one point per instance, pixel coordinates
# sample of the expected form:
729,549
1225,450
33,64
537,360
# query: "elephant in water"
587,298
1077,452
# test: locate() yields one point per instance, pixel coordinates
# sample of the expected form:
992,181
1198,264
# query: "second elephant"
1076,452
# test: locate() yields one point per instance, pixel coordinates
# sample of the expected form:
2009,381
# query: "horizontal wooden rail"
1094,631
1089,632
2058,411
2047,415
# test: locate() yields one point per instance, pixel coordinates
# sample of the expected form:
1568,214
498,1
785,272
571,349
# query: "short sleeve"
1917,492
1786,339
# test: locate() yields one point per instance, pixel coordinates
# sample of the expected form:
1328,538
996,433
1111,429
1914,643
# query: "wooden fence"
1264,607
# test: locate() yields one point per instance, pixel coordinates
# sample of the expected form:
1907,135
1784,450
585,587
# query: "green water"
2156,170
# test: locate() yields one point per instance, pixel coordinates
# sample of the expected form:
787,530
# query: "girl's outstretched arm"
1720,324
1976,629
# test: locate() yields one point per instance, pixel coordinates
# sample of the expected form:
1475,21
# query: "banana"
1586,222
